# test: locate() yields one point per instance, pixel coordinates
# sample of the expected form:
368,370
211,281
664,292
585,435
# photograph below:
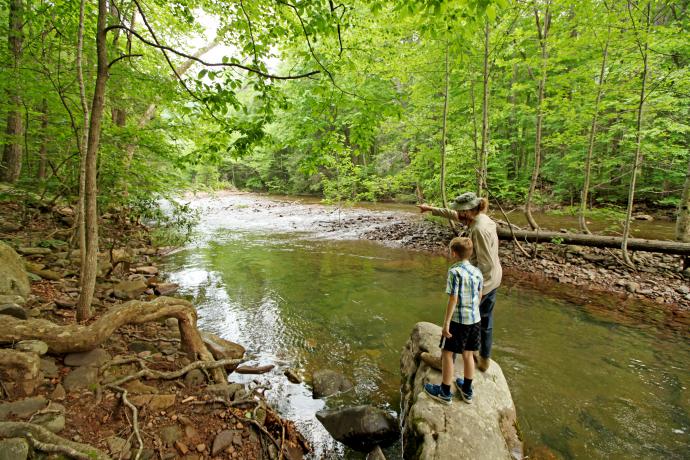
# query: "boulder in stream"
361,427
484,429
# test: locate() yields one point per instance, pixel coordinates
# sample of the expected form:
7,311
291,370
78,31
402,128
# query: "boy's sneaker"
435,392
467,397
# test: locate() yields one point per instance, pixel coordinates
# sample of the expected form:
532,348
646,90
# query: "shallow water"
584,387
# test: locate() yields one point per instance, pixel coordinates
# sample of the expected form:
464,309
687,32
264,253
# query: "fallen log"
76,337
597,241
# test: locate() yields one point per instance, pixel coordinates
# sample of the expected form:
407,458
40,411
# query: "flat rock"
48,275
81,377
32,346
226,391
166,288
93,358
12,309
127,290
28,251
14,449
52,420
161,402
221,348
6,299
137,387
138,347
150,270
22,408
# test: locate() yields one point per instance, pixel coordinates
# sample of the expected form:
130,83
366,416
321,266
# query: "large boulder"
484,429
361,427
13,277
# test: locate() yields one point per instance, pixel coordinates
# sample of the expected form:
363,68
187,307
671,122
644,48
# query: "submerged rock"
361,427
327,382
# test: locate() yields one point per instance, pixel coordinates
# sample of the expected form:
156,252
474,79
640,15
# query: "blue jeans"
486,311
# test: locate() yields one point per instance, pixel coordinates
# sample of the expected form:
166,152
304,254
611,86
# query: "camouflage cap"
465,201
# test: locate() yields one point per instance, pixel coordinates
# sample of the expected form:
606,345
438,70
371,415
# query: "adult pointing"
469,209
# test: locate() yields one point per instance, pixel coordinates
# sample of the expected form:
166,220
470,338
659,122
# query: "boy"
461,326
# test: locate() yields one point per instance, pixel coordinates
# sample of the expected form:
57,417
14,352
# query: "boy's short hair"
462,247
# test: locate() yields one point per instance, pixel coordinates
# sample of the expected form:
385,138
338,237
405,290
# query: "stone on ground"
221,348
13,277
12,309
93,358
14,449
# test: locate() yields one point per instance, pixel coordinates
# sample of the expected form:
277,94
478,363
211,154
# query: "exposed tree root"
47,441
145,372
77,337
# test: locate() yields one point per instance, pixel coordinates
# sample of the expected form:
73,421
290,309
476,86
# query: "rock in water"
327,382
221,348
360,427
13,277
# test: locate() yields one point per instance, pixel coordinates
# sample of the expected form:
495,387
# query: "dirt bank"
181,412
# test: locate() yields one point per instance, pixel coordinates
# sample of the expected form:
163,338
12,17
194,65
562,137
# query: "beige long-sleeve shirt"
485,241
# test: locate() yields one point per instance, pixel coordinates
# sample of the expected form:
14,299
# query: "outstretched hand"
424,208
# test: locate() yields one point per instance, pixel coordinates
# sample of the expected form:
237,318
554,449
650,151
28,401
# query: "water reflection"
584,387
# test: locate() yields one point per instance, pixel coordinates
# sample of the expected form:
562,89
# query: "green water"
583,387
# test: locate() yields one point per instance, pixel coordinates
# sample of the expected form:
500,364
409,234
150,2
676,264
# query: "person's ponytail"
483,205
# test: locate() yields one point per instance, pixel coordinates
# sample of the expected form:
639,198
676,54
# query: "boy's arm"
452,302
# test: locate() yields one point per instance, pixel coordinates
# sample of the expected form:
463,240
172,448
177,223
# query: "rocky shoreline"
139,394
589,276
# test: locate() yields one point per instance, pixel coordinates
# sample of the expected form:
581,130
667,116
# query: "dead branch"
152,374
135,417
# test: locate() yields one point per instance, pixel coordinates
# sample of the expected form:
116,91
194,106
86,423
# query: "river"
275,277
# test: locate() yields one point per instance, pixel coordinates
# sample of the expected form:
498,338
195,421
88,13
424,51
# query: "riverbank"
86,401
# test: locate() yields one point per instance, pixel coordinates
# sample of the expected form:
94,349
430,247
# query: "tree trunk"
542,34
12,152
683,221
638,137
597,241
592,135
43,151
444,133
484,154
88,270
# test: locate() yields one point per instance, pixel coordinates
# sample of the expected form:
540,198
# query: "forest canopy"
532,100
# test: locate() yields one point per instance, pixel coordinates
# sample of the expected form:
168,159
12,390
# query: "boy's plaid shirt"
465,281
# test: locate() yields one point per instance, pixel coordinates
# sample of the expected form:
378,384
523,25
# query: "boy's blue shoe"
435,392
467,397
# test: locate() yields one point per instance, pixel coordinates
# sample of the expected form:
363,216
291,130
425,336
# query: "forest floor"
177,418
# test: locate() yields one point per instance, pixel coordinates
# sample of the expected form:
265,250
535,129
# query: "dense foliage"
365,123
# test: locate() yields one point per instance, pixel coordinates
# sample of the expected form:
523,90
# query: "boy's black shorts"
465,338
